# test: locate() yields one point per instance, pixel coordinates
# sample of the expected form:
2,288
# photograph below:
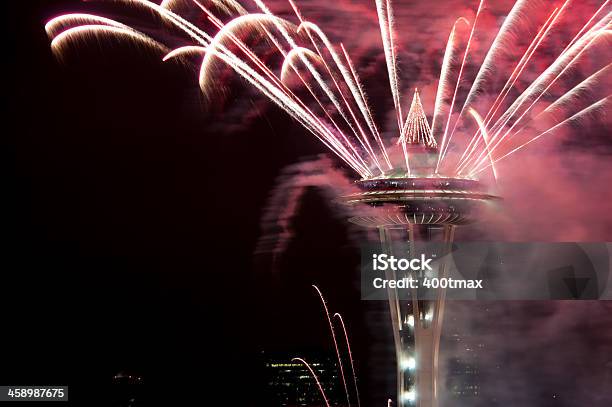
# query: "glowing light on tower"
416,129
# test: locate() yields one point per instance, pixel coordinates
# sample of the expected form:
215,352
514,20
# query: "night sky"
131,215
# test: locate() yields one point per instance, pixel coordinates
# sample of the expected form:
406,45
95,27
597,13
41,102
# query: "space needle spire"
416,129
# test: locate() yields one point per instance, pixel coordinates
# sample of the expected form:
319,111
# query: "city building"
289,382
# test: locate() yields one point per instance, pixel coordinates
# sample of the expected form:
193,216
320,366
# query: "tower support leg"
417,322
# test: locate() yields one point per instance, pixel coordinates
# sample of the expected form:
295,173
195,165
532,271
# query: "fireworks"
316,83
340,364
475,123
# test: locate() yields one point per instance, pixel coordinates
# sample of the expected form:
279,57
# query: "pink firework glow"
293,63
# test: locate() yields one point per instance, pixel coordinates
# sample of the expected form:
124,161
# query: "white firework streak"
580,115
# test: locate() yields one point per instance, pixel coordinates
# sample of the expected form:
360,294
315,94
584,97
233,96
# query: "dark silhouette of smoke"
284,200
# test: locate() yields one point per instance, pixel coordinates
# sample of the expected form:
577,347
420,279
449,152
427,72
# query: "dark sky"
130,215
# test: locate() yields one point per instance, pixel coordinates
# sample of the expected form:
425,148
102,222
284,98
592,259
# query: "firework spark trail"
292,43
507,115
585,26
287,62
348,347
313,42
485,137
190,29
390,21
578,115
584,112
186,50
518,70
227,6
363,140
552,73
57,24
333,334
406,159
571,95
445,71
95,29
227,31
327,114
383,10
369,112
486,66
583,86
292,108
278,23
286,103
511,81
390,31
314,375
346,75
594,36
351,123
443,146
491,54
184,25
260,19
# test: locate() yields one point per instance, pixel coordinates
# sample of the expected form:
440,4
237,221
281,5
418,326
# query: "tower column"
417,322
